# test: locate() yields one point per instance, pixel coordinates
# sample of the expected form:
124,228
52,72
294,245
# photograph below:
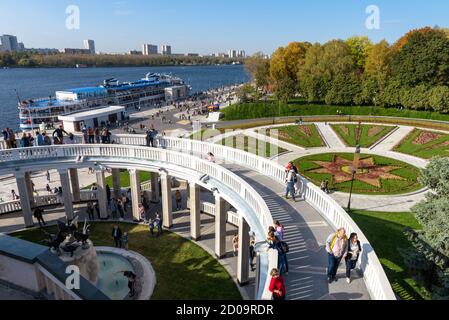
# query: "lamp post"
355,164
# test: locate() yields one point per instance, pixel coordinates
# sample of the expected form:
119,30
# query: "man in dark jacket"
59,133
38,214
117,235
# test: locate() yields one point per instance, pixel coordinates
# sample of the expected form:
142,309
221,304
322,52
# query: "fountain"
102,269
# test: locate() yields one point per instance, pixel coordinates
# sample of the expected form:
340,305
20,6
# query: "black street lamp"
356,162
354,172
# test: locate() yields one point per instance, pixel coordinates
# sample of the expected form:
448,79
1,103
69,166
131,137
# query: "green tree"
285,89
423,59
360,47
439,99
286,61
258,67
247,93
430,260
322,66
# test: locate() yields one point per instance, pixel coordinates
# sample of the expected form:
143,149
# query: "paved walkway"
391,141
306,233
384,203
330,137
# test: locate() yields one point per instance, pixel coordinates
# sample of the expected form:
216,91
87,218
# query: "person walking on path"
235,244
252,250
282,249
117,235
58,135
121,209
277,285
38,214
336,247
291,181
279,230
114,208
90,210
151,227
125,241
178,197
48,176
159,225
353,251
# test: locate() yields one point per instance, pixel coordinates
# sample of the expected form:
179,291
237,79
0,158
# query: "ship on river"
155,89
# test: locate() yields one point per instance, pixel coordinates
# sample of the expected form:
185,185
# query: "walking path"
383,203
329,136
391,141
306,234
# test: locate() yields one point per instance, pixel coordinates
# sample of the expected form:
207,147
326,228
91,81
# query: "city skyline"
211,28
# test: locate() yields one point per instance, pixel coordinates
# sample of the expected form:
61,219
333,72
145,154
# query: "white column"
155,194
30,188
220,226
167,201
101,194
135,193
195,211
66,193
74,180
243,254
116,183
24,200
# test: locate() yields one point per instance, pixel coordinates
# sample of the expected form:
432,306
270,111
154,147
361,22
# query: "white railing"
258,216
209,208
374,275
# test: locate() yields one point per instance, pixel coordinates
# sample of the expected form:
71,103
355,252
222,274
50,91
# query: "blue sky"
207,26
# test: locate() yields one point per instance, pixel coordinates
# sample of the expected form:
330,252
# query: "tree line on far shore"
32,59
412,73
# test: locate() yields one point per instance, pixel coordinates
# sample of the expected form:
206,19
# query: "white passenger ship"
153,90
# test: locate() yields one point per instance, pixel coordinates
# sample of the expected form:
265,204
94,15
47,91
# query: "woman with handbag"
352,255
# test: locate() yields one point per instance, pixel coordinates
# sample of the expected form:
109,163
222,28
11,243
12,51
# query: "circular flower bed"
374,174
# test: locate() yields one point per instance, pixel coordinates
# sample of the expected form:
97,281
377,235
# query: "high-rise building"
166,50
89,45
242,54
149,49
9,43
232,53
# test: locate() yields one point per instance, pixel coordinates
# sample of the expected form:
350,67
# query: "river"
39,83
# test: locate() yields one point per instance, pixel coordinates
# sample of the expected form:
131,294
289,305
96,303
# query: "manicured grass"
306,136
435,144
385,232
252,145
300,108
408,173
370,134
184,271
125,179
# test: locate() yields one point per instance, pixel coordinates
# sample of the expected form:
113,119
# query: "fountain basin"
110,277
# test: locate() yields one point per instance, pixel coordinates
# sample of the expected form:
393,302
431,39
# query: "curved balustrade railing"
373,272
259,217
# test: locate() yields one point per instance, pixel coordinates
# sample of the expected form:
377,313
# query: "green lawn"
306,136
425,144
385,232
407,181
184,271
125,179
370,134
252,145
300,108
